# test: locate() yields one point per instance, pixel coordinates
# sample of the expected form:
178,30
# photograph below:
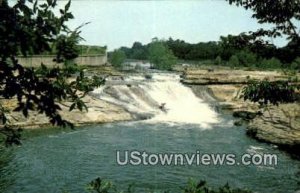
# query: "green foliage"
296,64
79,49
250,51
234,61
250,48
218,60
231,45
202,187
100,186
274,93
247,58
272,63
86,50
161,56
117,58
66,47
284,14
138,51
180,48
31,27
200,51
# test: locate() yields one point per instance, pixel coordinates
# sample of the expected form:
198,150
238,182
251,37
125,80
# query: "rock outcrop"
279,125
222,76
99,111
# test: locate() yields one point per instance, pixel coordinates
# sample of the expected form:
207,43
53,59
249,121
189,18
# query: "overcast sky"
118,23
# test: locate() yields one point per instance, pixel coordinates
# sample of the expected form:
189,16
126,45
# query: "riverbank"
280,125
98,112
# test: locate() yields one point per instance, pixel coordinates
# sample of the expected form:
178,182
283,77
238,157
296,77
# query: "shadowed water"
69,160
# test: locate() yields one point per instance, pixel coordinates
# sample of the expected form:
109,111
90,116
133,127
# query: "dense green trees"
284,15
117,58
85,49
234,61
242,50
251,48
157,52
218,60
180,49
199,51
271,63
296,64
102,186
31,27
161,56
137,51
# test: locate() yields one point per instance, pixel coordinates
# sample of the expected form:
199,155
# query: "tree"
296,64
267,93
218,60
230,45
179,48
247,58
262,92
161,56
138,51
284,14
30,27
99,185
117,58
234,61
272,63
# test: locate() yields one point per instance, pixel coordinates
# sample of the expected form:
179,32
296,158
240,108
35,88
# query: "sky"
117,23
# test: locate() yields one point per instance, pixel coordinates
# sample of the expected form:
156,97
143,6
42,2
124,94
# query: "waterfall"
162,97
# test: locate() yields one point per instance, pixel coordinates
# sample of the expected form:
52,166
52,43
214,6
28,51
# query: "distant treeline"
80,50
91,50
241,50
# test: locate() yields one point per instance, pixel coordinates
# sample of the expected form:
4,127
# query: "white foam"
181,104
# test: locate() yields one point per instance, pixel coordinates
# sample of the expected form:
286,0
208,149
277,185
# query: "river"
67,160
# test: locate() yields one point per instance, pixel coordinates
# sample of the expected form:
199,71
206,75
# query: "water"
68,160
140,95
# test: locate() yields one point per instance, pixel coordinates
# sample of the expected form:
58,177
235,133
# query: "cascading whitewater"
162,96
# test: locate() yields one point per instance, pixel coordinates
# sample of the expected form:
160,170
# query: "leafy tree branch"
30,27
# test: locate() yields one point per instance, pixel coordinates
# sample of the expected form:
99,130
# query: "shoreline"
222,87
99,112
271,129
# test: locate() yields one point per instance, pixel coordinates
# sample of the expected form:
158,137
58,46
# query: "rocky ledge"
227,76
99,111
279,125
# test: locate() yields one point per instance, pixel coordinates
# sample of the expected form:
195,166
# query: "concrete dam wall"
83,60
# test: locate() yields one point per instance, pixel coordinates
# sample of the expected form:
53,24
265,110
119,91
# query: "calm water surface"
67,161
